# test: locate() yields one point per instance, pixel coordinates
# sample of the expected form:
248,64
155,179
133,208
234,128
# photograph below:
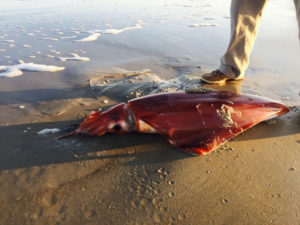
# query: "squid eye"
117,127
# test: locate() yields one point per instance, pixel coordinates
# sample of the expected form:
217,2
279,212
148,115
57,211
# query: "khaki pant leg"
297,6
245,20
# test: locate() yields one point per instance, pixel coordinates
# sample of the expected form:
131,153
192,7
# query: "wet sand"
141,178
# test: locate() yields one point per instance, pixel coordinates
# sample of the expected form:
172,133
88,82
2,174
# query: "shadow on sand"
22,147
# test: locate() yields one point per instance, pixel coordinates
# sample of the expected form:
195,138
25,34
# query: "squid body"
196,123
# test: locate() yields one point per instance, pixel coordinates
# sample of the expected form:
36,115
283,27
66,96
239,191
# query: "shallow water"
174,38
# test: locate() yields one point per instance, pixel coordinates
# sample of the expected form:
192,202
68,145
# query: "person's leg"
297,6
245,20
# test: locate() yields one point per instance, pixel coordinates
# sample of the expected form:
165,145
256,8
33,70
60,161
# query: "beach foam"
68,37
50,39
48,131
92,37
76,29
118,31
75,57
54,51
204,25
16,70
209,18
9,41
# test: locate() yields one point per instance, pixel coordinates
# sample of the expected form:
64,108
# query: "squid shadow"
23,147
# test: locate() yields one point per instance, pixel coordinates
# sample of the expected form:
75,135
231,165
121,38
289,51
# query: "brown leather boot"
216,77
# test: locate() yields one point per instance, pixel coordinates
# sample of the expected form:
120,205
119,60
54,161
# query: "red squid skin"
196,123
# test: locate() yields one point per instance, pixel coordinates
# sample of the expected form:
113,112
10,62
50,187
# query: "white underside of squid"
144,127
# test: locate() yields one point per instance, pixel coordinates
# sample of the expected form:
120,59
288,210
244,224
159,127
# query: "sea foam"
9,41
75,57
50,39
68,37
118,31
92,37
16,70
48,131
96,33
204,25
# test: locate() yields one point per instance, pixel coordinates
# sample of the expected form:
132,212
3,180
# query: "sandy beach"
60,61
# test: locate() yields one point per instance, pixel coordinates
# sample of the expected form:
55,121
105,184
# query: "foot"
216,77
